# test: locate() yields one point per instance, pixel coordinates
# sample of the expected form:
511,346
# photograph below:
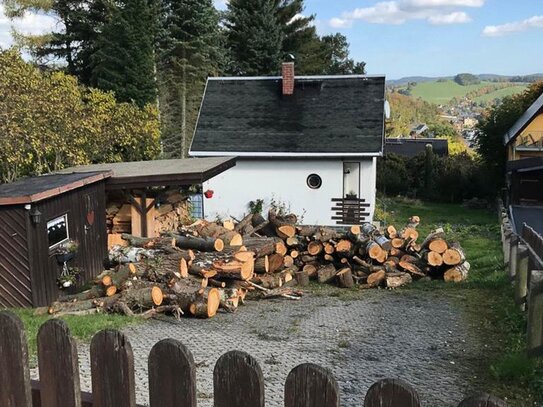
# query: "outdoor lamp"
35,216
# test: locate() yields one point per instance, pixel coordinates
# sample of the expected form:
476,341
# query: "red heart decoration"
90,218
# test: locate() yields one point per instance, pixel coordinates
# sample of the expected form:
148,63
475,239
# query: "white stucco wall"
284,181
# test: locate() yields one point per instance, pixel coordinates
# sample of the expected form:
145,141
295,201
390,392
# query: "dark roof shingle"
325,115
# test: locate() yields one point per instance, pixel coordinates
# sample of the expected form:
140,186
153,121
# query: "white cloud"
400,11
221,4
337,22
444,3
458,17
31,23
516,26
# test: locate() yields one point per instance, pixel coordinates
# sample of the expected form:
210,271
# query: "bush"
442,179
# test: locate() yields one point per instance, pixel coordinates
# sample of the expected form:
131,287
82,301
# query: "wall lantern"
35,216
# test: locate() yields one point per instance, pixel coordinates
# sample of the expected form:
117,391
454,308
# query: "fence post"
172,375
513,250
310,385
482,400
238,381
392,393
521,277
58,365
534,330
112,370
14,373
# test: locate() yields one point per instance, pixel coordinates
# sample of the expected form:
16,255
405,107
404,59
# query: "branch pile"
205,267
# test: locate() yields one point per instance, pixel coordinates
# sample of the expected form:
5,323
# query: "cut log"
454,255
397,242
202,272
216,283
329,248
374,250
262,265
244,256
326,273
376,279
395,280
281,248
234,269
143,298
410,233
260,247
438,245
58,306
457,273
433,259
292,241
436,234
294,254
355,229
288,261
411,268
246,221
283,227
343,246
156,243
96,291
302,278
200,244
268,280
275,262
391,232
383,242
314,248
206,304
210,229
345,278
310,270
228,224
111,290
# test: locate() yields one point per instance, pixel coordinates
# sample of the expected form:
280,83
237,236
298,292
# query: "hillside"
444,91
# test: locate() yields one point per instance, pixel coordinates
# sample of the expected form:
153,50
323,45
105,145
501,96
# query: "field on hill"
443,92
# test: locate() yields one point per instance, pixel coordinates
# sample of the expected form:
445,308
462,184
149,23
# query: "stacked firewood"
202,268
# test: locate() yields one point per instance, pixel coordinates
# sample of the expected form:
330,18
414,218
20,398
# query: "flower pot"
65,257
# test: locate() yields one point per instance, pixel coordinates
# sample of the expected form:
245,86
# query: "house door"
351,180
92,250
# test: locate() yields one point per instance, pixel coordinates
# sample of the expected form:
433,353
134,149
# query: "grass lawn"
81,327
443,92
486,298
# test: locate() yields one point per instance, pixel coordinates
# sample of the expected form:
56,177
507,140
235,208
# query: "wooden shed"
36,216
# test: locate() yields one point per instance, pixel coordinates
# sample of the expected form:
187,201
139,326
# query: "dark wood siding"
15,284
85,208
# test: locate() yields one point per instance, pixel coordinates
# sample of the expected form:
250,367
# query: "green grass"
501,93
486,298
81,327
443,92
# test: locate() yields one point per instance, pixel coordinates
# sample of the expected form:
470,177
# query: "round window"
314,181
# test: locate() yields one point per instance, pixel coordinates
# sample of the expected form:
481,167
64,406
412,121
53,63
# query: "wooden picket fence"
237,377
523,258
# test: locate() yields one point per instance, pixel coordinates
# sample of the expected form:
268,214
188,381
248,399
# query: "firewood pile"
206,267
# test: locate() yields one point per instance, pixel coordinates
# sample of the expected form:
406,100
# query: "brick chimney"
288,78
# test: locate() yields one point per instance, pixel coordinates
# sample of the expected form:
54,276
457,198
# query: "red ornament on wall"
209,193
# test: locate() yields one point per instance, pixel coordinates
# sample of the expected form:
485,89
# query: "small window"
57,231
314,181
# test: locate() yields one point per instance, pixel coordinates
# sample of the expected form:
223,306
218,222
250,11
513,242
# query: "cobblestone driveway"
414,335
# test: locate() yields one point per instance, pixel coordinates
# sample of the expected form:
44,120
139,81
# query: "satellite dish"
387,110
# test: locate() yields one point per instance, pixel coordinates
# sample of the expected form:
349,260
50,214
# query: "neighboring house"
305,143
418,130
524,143
412,147
525,138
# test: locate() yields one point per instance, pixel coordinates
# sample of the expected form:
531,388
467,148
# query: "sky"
401,38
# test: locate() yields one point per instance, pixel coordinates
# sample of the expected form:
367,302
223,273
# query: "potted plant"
66,251
68,277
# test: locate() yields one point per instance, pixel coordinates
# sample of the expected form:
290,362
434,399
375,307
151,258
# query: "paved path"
408,334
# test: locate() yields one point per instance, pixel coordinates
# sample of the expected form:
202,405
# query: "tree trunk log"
345,278
326,273
198,243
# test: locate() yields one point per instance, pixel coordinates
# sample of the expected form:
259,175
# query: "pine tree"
188,52
123,59
254,37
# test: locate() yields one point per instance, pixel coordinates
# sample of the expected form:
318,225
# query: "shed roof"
34,189
326,116
141,174
525,119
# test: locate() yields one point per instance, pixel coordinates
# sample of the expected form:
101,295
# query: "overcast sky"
415,37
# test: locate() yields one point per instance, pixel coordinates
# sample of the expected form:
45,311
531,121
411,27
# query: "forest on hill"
160,52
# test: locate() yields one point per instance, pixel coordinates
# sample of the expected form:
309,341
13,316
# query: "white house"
305,143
